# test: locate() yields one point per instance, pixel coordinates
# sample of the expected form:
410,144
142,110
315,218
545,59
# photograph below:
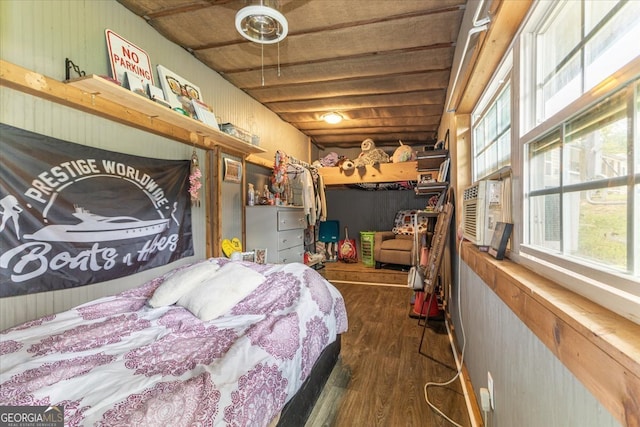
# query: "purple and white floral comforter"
117,361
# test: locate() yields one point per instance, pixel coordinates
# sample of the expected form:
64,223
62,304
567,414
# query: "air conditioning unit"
481,210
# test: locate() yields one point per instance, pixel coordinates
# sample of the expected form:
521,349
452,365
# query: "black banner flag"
72,215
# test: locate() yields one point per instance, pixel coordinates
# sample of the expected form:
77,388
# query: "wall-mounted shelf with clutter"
96,95
101,87
433,176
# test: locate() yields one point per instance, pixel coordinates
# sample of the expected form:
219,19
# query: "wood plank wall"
556,358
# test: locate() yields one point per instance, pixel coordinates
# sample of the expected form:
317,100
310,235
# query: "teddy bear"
370,155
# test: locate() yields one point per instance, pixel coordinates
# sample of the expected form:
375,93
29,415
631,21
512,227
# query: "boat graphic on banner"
96,228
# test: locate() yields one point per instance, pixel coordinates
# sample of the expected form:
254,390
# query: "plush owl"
367,145
369,155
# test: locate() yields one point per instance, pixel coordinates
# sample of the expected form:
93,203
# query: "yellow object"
231,246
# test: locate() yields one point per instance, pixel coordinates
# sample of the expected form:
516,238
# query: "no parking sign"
125,57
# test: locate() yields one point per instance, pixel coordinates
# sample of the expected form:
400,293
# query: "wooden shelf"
98,96
98,86
384,172
252,158
431,188
431,159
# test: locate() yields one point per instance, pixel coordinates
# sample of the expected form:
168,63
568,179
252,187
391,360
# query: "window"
581,196
576,45
492,127
579,119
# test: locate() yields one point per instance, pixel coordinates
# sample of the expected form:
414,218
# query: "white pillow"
220,293
181,282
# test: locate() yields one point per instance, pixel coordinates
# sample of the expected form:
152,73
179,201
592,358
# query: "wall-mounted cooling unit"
481,209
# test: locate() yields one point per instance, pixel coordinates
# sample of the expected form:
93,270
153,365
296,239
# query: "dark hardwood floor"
380,377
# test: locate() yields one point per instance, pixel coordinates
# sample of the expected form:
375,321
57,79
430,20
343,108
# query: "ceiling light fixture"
332,118
261,24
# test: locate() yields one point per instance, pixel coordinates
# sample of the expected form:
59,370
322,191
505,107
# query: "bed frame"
296,412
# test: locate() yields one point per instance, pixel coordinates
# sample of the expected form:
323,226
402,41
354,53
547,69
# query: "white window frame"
489,98
532,92
618,293
623,77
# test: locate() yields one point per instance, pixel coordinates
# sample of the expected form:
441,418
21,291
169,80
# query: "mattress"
119,361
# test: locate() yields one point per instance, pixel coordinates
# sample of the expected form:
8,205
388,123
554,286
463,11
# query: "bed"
190,347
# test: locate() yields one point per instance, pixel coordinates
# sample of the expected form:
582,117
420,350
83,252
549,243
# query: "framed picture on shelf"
134,84
425,177
204,114
157,95
261,256
155,92
501,234
232,170
249,256
178,91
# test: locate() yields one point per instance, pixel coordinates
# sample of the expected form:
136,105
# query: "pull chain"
262,60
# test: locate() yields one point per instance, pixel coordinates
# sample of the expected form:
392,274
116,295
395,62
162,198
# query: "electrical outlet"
490,387
485,401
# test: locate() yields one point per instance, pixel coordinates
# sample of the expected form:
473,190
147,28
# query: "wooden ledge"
383,172
95,95
601,348
256,160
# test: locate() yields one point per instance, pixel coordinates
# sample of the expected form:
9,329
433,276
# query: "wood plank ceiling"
384,65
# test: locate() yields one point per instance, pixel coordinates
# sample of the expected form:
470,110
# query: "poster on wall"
73,215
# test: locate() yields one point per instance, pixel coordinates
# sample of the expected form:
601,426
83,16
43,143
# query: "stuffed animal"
404,153
373,157
370,155
345,164
330,159
367,145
